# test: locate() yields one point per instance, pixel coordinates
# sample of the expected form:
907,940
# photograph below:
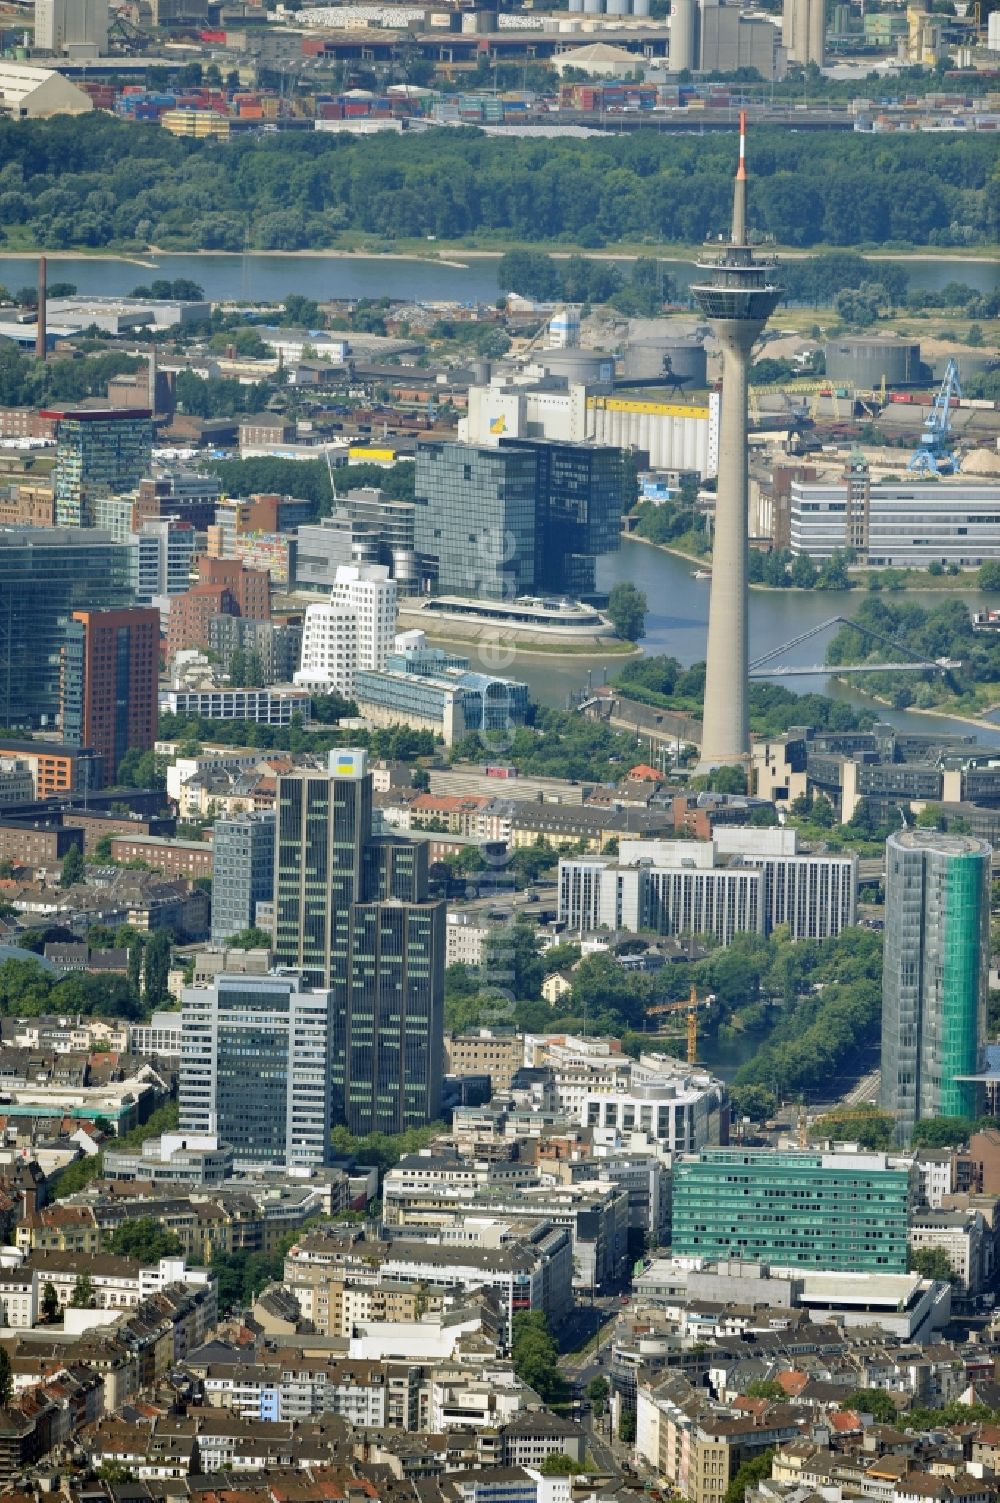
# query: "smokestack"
41,342
740,188
152,380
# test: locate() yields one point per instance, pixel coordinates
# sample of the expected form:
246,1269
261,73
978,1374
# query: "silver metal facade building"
935,975
256,1056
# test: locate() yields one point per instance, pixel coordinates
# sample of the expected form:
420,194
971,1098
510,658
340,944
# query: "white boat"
700,574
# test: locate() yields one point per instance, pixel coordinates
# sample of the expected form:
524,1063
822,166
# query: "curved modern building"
935,975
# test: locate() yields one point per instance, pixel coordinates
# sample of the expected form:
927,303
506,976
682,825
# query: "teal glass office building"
836,1212
935,976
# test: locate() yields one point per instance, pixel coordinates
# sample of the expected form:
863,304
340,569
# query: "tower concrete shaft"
737,297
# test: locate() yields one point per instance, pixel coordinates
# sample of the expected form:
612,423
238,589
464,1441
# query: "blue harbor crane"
935,456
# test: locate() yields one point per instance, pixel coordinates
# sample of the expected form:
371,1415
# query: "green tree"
250,939
873,1401
988,576
535,1356
865,1125
382,1150
932,1263
765,1388
558,1464
82,1297
626,1427
74,867
50,1302
748,1475
6,1378
156,967
597,1391
627,611
135,965
942,1132
144,1239
753,1101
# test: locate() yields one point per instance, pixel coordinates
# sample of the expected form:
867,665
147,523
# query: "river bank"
903,579
456,256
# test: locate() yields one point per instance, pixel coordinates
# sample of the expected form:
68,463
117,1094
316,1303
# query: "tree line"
98,181
938,631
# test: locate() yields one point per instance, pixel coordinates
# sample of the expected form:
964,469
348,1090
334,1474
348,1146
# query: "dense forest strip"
100,182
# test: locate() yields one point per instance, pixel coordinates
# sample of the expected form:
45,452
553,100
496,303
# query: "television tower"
737,297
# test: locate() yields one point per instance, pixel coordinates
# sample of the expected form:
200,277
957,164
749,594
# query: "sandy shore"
682,256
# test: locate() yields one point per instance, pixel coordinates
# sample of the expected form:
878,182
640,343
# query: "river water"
677,625
268,278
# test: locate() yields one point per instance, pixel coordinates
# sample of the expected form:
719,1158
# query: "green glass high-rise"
99,452
352,914
840,1212
935,976
47,573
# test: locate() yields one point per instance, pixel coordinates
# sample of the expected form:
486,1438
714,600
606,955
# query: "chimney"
41,345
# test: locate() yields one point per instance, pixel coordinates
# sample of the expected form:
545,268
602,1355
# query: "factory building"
709,37
675,435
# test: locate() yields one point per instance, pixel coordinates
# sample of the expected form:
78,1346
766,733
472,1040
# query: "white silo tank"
993,31
640,7
683,16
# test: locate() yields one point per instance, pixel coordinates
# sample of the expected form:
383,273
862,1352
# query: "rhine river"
261,277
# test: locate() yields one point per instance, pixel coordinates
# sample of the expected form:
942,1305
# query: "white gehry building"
354,629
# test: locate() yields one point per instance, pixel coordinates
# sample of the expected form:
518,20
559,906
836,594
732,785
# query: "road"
866,1090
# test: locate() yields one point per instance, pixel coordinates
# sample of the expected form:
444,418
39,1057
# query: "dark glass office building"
582,492
530,516
475,523
352,914
46,574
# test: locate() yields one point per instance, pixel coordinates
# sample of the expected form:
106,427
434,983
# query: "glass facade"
352,914
582,491
255,1068
45,575
934,980
531,515
98,453
475,518
242,871
836,1212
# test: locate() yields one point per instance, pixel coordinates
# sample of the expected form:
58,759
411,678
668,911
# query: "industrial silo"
640,7
683,19
657,359
864,359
